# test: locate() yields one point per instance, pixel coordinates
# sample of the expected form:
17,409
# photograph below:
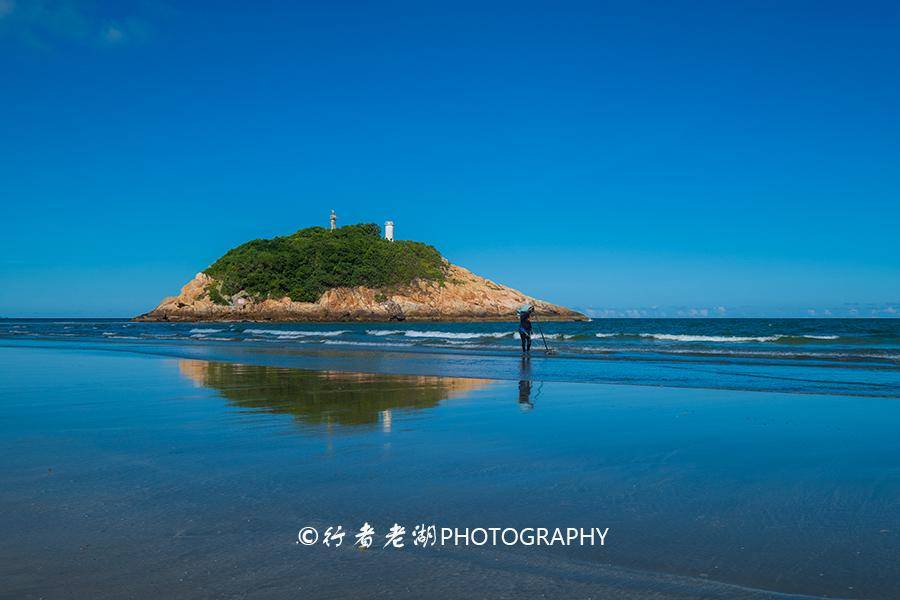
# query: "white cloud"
655,312
45,24
884,310
113,34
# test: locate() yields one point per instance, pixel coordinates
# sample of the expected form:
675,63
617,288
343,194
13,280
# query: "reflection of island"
325,397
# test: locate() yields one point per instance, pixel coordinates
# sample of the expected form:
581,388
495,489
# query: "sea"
842,356
753,459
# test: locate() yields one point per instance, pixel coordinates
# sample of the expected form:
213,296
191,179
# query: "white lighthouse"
389,231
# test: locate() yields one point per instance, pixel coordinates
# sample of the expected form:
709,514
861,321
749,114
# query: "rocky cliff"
460,296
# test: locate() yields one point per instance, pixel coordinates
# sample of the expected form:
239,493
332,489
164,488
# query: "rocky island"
349,273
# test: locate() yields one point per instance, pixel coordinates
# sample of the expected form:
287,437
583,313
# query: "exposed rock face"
463,296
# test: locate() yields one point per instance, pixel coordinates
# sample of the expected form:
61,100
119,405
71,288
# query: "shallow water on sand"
148,476
808,377
820,356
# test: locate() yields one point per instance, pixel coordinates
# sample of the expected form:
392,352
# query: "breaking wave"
669,337
739,339
371,344
447,335
845,341
291,333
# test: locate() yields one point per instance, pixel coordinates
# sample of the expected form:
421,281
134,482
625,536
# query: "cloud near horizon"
879,311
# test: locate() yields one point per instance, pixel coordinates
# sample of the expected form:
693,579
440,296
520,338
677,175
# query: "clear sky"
614,155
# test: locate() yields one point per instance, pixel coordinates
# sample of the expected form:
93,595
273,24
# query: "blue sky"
656,156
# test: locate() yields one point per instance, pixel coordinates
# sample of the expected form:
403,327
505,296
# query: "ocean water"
841,356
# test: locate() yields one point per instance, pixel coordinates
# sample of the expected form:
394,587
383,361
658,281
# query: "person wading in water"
525,327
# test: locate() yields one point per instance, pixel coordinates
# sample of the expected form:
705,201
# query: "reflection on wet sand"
525,384
326,397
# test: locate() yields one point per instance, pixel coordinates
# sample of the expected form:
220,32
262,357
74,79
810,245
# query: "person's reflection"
525,384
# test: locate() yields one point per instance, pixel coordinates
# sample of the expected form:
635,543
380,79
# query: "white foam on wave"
290,333
714,352
671,337
683,337
205,330
449,336
212,338
732,338
455,335
375,344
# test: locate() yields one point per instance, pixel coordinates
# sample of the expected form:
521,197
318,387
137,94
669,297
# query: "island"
348,273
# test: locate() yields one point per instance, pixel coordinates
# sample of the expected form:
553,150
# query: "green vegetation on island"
302,266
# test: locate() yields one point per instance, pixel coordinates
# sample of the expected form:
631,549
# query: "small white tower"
389,231
333,220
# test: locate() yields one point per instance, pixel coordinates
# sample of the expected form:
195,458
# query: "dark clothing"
525,331
525,322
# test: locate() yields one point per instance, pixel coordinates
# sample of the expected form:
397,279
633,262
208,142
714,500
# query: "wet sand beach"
129,475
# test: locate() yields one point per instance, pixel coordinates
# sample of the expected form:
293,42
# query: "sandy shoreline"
145,475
